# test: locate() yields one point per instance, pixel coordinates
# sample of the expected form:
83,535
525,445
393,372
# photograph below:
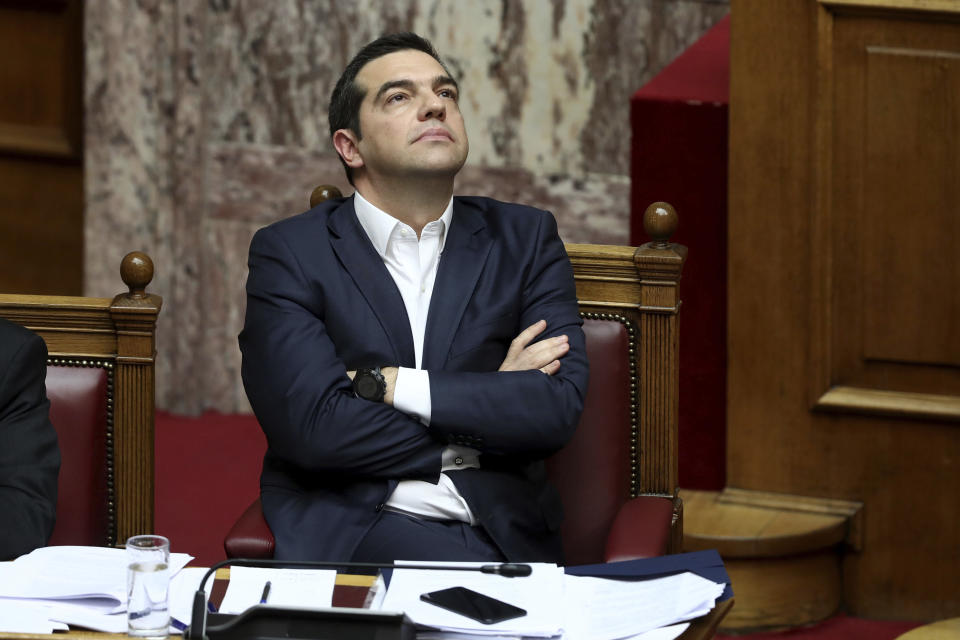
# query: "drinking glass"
148,581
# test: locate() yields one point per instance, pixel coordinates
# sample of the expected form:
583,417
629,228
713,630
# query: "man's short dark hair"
345,101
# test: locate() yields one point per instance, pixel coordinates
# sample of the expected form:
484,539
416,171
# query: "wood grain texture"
783,593
41,169
642,284
843,201
937,6
743,530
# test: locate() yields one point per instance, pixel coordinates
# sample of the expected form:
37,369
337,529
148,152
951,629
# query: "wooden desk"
351,591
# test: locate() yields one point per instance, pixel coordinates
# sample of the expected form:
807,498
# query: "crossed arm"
521,356
296,378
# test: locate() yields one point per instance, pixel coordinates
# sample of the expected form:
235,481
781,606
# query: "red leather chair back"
593,471
80,412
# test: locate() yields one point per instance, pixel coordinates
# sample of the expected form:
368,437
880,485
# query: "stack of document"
609,609
558,605
53,587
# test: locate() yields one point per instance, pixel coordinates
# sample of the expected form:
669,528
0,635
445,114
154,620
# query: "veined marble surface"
207,119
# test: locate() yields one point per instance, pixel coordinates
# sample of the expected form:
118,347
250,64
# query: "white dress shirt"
413,263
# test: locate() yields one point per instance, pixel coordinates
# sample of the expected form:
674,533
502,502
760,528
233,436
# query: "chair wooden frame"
119,335
639,286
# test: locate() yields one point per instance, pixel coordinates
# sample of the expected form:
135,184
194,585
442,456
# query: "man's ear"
345,142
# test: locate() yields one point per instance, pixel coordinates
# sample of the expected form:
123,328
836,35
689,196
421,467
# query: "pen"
176,624
266,593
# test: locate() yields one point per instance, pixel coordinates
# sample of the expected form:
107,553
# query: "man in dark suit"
29,456
409,399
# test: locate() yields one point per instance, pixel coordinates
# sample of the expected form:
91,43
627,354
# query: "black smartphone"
471,604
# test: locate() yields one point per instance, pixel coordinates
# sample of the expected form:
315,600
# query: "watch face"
367,386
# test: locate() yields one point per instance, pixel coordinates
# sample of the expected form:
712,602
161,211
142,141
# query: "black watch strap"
370,384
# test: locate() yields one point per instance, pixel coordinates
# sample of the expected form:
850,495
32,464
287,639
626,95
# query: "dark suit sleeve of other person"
295,376
29,456
514,412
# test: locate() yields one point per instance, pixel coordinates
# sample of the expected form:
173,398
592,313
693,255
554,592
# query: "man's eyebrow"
393,84
403,83
441,81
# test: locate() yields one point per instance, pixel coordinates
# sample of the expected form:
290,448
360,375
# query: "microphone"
198,629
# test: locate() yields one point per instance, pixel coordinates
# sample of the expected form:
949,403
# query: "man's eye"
397,97
448,93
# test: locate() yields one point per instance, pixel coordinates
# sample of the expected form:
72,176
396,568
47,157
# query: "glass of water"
148,581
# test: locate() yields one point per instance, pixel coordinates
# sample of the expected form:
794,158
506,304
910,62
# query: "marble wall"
206,119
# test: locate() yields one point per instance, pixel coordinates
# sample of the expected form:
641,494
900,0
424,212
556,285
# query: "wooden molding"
852,510
38,141
641,284
938,6
899,404
744,523
645,278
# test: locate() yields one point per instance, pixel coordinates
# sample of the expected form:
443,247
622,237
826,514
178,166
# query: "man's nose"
433,108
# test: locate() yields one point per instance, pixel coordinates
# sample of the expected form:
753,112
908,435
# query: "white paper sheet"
18,617
605,609
540,594
73,572
183,586
309,588
81,587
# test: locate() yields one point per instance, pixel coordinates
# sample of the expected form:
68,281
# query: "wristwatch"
370,384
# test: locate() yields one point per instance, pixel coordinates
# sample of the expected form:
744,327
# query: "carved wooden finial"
660,221
324,192
136,270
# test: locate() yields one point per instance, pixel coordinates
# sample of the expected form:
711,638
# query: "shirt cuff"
411,394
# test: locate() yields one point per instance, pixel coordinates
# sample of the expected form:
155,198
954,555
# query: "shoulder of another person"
19,345
14,336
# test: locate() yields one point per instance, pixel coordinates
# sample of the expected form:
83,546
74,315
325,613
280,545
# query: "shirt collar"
379,225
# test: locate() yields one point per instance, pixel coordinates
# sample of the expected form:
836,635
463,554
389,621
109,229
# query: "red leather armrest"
640,530
250,537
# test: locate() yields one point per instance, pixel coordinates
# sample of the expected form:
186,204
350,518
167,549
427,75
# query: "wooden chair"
618,476
100,382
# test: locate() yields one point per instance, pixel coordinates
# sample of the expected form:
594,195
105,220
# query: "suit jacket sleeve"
522,412
298,387
29,456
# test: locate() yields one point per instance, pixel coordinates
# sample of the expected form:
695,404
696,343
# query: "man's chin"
438,168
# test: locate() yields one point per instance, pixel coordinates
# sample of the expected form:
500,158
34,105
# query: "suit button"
379,507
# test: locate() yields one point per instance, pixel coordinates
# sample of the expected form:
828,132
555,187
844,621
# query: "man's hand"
390,377
544,355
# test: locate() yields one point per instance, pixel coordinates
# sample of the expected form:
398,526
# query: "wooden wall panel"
891,94
843,276
911,239
41,170
894,106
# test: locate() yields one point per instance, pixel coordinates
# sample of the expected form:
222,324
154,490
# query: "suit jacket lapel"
464,255
365,266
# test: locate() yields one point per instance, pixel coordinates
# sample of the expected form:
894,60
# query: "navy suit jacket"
29,455
320,301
